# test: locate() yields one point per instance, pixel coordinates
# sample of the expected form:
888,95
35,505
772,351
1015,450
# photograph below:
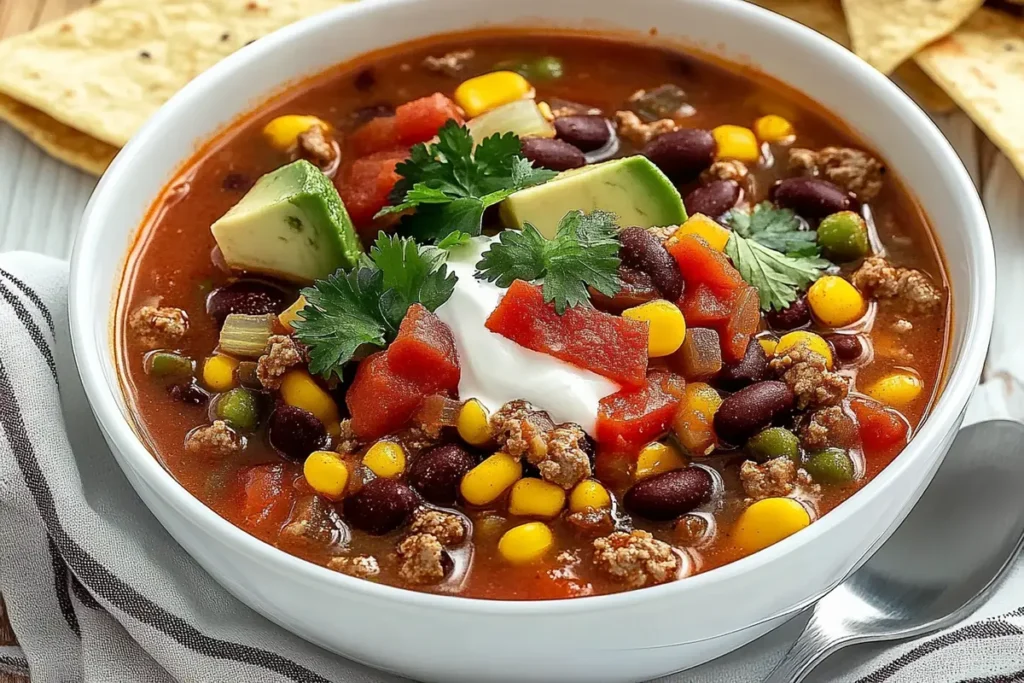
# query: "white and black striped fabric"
97,591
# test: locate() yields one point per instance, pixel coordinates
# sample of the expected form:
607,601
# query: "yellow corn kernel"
219,372
656,458
835,302
291,314
769,521
300,390
526,543
487,481
385,459
545,111
589,494
736,142
769,345
489,91
327,473
698,224
283,132
812,341
694,422
473,424
772,128
535,498
666,326
897,389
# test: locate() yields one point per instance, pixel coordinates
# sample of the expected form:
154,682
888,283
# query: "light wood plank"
18,16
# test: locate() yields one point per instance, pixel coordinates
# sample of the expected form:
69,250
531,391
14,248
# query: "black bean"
670,494
554,154
643,251
251,297
374,111
713,199
365,80
810,198
751,409
188,392
584,132
797,314
637,288
380,506
236,182
846,346
295,432
682,154
751,368
436,473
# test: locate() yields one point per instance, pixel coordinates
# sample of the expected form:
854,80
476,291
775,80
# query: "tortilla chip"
887,32
59,141
982,67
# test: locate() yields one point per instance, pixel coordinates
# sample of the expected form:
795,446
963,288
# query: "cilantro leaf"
778,229
365,306
584,252
454,239
777,277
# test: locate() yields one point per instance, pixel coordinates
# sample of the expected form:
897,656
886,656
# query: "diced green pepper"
168,365
830,466
774,442
239,409
843,236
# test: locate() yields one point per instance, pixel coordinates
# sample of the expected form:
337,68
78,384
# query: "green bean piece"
774,442
168,365
239,409
843,236
830,466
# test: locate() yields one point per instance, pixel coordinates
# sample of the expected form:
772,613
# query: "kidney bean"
797,314
713,199
251,297
810,197
751,409
669,495
751,368
637,288
295,432
846,346
584,132
365,114
188,392
554,154
436,473
682,154
382,505
643,251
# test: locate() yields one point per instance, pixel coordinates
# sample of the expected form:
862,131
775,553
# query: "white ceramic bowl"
629,636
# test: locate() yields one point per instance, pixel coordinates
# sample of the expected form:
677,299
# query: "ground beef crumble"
347,441
566,462
592,523
421,559
808,376
359,566
282,353
635,559
520,429
911,288
217,440
773,479
664,233
826,428
851,169
726,169
316,146
158,327
450,64
630,126
444,526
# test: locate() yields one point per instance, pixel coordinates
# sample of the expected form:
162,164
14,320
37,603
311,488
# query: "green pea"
168,365
843,236
238,408
772,443
830,466
546,69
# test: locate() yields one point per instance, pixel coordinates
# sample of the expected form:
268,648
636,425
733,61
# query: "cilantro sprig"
449,184
584,252
365,306
774,252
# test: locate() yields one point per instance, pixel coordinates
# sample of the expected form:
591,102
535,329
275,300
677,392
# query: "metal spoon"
943,560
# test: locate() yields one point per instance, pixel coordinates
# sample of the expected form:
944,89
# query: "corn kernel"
385,459
769,521
535,498
545,111
835,302
694,421
769,345
300,390
772,128
472,423
288,317
326,473
666,326
736,142
897,389
589,494
812,341
489,91
526,543
283,132
219,372
698,224
487,481
656,458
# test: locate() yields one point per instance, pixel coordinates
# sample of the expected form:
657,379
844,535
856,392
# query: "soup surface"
719,329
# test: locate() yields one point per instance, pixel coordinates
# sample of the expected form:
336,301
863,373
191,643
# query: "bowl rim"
960,381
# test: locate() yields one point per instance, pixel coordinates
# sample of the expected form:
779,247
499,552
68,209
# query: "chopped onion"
246,335
522,117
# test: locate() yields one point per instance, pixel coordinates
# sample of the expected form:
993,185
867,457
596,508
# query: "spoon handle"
815,644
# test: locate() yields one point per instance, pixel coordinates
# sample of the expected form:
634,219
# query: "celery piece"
246,335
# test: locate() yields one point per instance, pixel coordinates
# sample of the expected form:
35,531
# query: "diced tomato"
376,135
379,400
741,326
424,352
419,120
703,308
365,185
883,431
602,343
630,419
700,264
267,499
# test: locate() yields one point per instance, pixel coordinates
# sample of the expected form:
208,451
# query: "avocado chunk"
292,225
632,188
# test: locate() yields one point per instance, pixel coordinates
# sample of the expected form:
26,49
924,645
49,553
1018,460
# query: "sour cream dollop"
496,370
